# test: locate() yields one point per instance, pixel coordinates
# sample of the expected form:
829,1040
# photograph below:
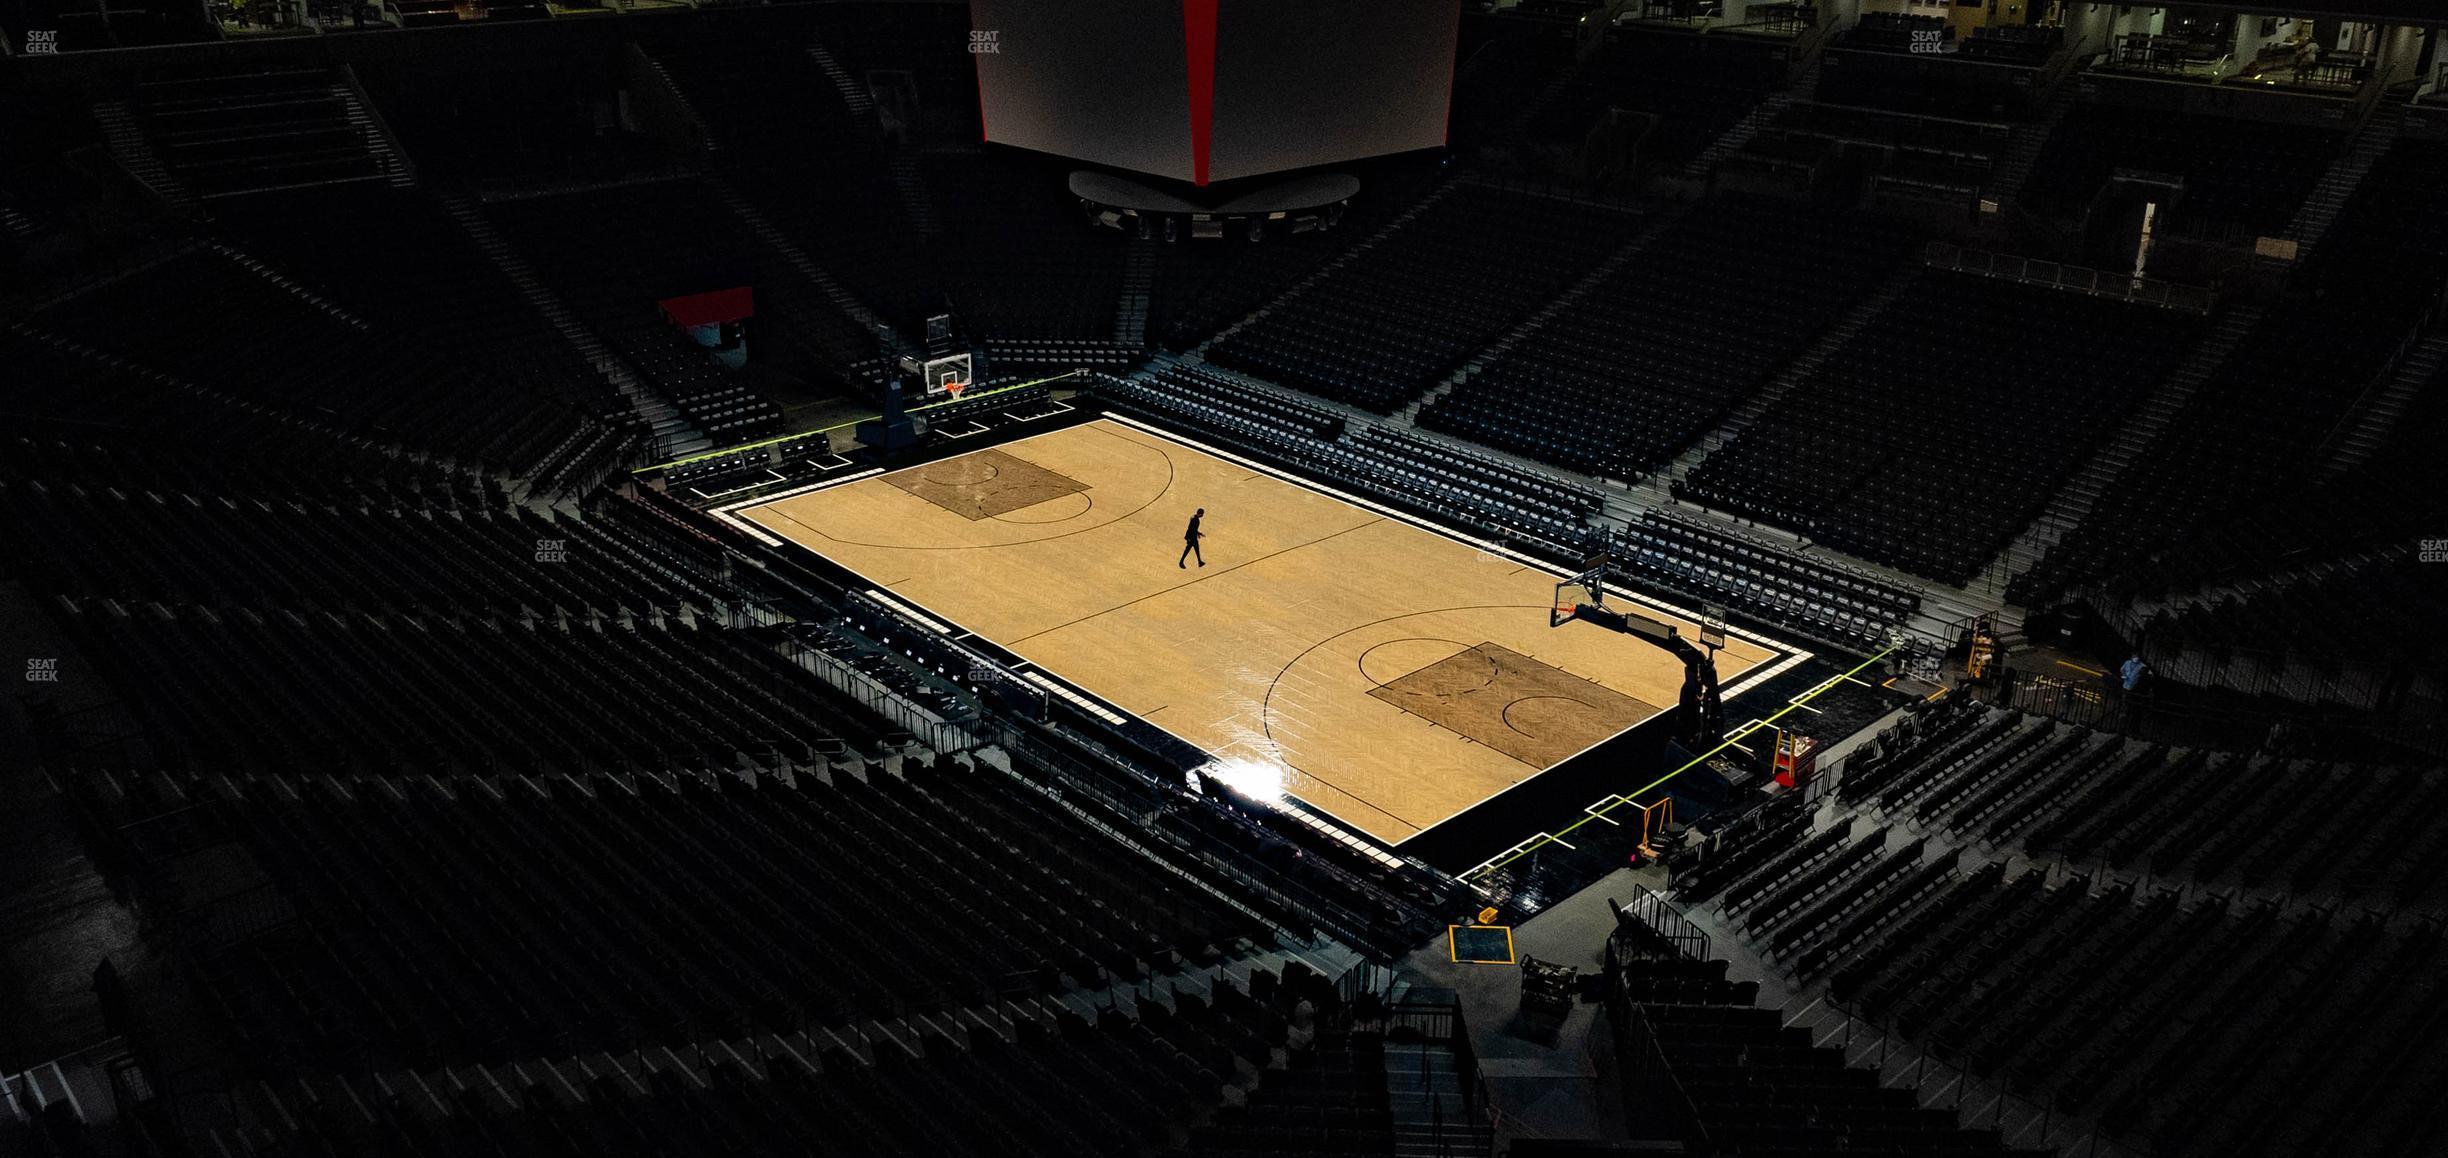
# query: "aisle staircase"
853,93
700,134
128,146
398,171
2013,170
1805,86
672,434
1138,290
2368,424
1326,268
1802,367
2338,184
780,243
916,200
2073,501
1504,343
1424,1088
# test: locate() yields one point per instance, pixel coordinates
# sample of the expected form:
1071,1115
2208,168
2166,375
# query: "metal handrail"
2074,278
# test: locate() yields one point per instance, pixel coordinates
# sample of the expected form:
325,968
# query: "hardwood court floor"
1397,676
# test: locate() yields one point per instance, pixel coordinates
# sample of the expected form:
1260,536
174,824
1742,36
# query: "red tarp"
712,308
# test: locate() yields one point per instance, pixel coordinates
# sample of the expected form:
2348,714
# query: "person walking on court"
1190,541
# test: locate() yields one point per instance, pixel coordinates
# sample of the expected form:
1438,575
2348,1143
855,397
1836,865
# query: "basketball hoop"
954,386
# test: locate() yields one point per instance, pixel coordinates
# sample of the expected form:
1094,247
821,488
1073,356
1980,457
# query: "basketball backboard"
1576,592
947,375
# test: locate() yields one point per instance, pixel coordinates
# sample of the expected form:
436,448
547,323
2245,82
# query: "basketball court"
1389,675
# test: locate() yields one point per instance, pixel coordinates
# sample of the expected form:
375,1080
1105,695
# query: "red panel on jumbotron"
1198,52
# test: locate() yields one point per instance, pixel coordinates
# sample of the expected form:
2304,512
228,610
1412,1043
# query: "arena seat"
1201,287
1378,329
1016,256
2053,982
1692,88
2262,417
476,118
817,170
1929,452
1727,1074
282,345
1462,487
2243,174
445,788
1763,581
397,260
1661,350
556,906
615,251
222,132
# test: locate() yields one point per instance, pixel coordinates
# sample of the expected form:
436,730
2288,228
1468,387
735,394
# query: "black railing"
1649,1081
1662,923
1469,1131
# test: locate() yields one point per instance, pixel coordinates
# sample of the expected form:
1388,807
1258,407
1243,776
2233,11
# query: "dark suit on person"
1190,542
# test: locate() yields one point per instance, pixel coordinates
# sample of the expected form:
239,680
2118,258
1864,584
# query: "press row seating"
1221,390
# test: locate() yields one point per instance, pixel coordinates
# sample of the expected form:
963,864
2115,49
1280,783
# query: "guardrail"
2073,278
1677,931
